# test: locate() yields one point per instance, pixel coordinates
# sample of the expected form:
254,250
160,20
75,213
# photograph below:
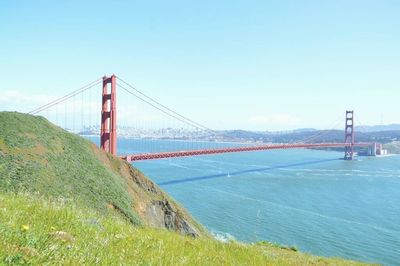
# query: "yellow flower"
25,227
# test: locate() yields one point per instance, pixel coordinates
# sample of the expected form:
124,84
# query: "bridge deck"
163,155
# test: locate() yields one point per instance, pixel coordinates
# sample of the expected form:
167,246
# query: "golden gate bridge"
104,110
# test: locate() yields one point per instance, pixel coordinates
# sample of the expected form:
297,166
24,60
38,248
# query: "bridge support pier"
349,136
108,130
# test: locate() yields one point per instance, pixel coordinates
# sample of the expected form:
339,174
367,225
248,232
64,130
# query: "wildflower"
25,227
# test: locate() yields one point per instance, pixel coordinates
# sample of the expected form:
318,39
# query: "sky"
256,65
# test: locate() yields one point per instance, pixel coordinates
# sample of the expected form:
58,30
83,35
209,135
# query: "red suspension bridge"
182,128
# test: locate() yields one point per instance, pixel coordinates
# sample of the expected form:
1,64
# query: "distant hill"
374,128
241,134
378,128
338,136
39,157
393,147
311,136
300,130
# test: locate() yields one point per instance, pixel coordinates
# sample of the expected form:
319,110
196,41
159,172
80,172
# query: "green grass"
37,156
35,230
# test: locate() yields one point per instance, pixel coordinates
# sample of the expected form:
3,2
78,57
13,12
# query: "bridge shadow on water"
230,174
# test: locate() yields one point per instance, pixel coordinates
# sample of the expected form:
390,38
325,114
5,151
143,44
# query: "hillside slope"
39,157
35,231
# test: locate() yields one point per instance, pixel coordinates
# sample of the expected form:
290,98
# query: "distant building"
376,149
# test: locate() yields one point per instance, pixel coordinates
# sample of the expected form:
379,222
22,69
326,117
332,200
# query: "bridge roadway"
172,154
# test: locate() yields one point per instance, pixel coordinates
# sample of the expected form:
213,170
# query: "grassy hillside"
64,201
34,230
39,157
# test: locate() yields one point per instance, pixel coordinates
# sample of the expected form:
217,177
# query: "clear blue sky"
263,65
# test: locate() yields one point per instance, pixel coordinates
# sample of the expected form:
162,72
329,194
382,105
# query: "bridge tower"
349,136
108,131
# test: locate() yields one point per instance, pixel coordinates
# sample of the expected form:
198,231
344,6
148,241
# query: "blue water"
304,198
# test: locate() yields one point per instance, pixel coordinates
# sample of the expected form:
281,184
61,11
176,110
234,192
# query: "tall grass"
35,230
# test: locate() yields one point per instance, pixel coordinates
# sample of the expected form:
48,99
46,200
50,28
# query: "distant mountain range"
377,128
379,133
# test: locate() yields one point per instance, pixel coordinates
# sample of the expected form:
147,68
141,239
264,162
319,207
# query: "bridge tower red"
108,131
349,136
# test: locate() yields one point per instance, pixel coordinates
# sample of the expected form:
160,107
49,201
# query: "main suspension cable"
161,106
158,108
65,97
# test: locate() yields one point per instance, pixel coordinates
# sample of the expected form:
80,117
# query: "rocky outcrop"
165,215
156,208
